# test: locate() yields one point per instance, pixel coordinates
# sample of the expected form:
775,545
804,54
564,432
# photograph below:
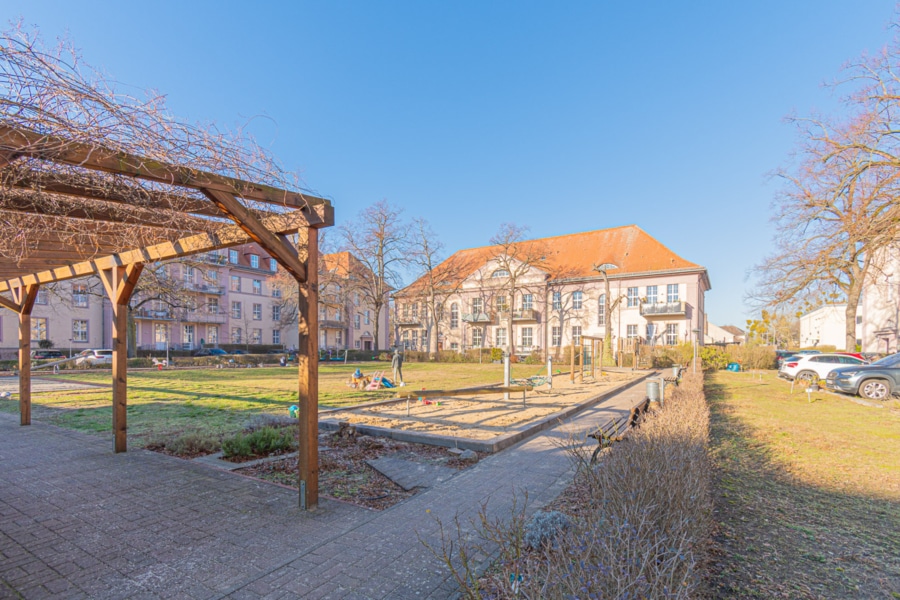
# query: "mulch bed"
344,474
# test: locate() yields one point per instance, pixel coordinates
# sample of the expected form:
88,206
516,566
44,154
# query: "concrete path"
77,521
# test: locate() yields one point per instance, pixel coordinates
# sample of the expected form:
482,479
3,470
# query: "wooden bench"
614,430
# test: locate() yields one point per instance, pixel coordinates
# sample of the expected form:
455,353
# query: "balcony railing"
332,323
409,321
203,317
520,314
158,315
662,309
205,288
477,318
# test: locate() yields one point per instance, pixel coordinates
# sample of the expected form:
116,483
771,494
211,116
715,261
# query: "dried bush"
261,442
641,531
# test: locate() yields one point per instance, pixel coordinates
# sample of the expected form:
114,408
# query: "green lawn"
221,401
807,492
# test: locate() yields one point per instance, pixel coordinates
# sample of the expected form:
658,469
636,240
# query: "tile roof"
574,255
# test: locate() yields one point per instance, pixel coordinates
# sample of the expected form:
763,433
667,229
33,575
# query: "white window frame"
577,300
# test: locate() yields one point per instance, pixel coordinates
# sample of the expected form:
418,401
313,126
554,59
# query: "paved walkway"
77,521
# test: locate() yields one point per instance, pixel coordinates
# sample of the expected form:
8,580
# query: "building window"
415,338
557,300
79,295
527,337
405,339
38,328
339,337
501,337
601,310
257,286
236,335
212,306
276,292
632,296
256,336
233,257
415,310
577,300
276,336
651,294
477,306
672,334
576,335
501,304
527,301
356,345
858,322
212,334
254,261
672,292
212,276
188,336
235,310
188,274
368,317
235,283
499,273
357,320
41,297
631,332
273,265
257,312
477,339
79,330
651,332
276,313
556,335
161,334
454,315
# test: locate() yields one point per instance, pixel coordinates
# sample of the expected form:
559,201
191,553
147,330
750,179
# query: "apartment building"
560,295
347,316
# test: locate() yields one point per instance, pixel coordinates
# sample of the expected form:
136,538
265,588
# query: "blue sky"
562,117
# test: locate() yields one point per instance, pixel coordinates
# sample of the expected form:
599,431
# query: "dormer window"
499,273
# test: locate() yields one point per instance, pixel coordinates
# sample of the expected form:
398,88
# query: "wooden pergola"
211,211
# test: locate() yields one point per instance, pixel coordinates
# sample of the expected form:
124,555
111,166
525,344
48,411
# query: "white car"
813,367
94,357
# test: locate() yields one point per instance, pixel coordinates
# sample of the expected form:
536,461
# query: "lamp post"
607,336
696,343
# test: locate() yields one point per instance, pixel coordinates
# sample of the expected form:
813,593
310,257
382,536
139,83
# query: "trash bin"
676,371
653,391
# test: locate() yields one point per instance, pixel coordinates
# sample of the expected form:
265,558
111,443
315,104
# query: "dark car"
877,381
240,352
47,354
210,352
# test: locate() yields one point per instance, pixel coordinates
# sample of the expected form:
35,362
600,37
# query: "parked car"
46,354
240,352
780,355
877,381
210,352
94,357
813,367
856,355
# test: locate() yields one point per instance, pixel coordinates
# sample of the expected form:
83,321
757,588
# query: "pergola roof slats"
30,143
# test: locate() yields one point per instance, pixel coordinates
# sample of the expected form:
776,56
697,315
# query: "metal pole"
506,374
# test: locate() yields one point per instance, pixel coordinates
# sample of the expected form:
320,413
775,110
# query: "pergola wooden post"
119,283
308,361
23,302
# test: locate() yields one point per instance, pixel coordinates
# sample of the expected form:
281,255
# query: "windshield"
888,361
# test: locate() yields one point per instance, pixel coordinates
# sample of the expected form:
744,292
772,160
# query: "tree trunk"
853,296
377,327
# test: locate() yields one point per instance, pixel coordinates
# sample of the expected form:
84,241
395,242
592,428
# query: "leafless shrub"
640,532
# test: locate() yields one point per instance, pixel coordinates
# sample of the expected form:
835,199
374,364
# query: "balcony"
331,323
520,314
156,315
203,317
205,288
477,318
663,309
409,321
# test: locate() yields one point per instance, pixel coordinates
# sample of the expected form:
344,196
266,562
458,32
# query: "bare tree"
836,212
380,240
515,260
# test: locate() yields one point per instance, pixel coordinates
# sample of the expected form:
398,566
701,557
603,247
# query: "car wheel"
807,377
875,389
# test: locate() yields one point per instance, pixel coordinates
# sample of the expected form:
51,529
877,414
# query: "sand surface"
484,416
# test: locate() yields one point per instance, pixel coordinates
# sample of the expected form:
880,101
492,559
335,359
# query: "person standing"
397,366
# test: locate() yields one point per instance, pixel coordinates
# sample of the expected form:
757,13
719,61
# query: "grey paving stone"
409,474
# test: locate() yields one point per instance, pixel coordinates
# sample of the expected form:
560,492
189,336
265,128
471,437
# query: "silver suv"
94,357
877,381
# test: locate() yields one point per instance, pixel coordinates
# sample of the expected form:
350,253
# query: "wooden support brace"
272,243
119,283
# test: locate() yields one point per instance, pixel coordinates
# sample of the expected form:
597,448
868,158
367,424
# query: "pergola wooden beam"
30,143
227,235
24,297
